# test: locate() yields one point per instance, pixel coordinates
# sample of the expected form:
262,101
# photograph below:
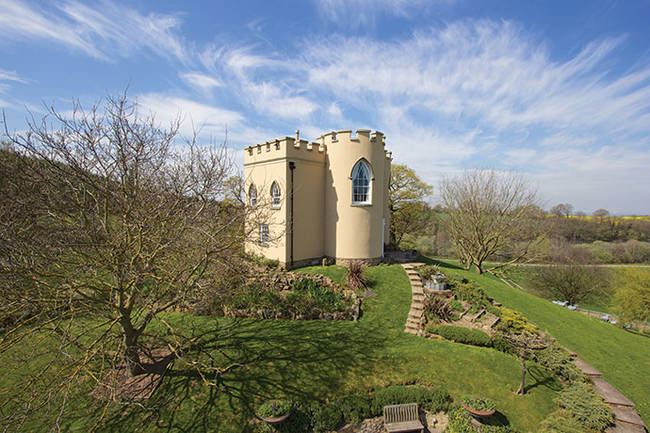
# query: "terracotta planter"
477,413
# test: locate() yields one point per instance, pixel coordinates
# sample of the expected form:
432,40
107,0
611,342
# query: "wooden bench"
402,418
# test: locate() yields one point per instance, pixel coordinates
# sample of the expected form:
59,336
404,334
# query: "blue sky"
557,90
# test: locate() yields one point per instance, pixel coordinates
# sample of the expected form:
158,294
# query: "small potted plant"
275,411
479,407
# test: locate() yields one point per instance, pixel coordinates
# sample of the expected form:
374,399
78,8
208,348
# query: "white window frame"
276,196
264,234
356,171
252,195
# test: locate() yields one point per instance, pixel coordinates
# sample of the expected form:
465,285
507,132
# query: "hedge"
463,335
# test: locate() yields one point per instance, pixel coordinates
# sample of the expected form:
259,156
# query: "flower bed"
296,297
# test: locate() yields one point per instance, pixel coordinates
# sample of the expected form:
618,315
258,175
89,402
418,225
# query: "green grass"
623,357
311,360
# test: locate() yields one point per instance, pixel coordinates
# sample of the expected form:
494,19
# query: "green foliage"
299,421
457,306
558,360
327,418
460,421
270,264
514,321
459,334
632,297
585,406
480,404
437,307
467,291
427,272
433,400
354,407
274,408
502,345
561,421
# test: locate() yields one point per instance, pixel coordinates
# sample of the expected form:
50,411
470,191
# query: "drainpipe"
292,166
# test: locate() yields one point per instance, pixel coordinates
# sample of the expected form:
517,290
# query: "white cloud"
358,13
334,110
10,76
200,81
104,31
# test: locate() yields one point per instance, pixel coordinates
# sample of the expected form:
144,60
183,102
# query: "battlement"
289,145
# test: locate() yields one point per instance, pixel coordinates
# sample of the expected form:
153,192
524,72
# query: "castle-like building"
325,199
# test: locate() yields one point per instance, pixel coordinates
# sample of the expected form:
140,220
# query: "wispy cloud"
104,31
200,81
364,12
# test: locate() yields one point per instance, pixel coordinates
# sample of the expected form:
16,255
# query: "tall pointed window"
276,197
361,183
252,195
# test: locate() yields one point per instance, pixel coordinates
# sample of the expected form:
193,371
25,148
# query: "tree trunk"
522,387
479,269
132,353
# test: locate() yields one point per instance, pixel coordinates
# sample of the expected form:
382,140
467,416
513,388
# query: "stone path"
416,314
627,418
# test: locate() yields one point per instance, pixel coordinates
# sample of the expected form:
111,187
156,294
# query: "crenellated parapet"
361,136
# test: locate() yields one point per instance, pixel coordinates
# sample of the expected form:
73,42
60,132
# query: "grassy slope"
315,360
622,357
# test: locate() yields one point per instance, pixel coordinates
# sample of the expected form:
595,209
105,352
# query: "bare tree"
562,209
601,214
489,212
108,221
570,281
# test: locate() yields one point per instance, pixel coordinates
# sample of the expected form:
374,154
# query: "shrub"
437,307
356,280
461,422
502,345
561,421
457,306
558,360
480,404
514,321
459,334
433,400
427,272
585,406
274,408
354,407
327,418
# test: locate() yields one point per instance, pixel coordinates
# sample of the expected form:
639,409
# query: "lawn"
623,357
310,360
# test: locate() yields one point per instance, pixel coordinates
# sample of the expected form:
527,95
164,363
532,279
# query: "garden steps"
627,415
416,312
610,395
625,428
586,368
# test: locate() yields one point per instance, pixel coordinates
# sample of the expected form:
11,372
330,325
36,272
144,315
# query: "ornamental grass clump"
274,408
356,280
480,404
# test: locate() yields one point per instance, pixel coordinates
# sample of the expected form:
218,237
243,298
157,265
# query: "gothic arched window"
252,195
276,197
361,183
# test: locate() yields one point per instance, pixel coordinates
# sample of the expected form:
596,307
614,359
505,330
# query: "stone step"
627,415
417,296
586,368
416,305
415,316
610,395
621,427
411,331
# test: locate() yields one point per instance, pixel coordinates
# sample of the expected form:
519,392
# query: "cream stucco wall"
325,221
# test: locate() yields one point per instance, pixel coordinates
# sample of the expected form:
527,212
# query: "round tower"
356,195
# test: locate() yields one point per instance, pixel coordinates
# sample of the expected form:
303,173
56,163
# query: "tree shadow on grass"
270,358
541,377
439,263
498,419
